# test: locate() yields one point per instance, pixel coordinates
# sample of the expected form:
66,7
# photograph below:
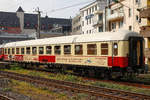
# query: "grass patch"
77,79
7,89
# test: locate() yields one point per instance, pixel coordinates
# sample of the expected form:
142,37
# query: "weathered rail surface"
91,90
3,97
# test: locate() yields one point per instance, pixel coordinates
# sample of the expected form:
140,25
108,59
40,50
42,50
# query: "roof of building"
104,36
88,5
9,19
20,9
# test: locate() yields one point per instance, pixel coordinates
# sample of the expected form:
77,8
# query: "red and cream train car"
107,52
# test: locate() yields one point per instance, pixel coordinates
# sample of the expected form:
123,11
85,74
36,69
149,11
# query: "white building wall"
89,14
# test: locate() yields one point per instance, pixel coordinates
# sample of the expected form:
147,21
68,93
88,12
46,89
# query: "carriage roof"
103,36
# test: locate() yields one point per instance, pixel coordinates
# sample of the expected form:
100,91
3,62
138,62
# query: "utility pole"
39,22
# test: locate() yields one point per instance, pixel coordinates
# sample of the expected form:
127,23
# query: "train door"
136,55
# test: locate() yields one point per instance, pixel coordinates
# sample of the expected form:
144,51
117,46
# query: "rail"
91,90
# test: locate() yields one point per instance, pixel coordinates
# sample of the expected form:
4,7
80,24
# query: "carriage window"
104,49
22,50
8,50
91,49
28,50
78,49
67,49
48,49
57,50
34,50
13,50
5,51
115,49
17,50
41,50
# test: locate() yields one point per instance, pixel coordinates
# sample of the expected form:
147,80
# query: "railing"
116,16
97,22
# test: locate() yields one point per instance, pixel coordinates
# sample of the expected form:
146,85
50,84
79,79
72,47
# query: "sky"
52,8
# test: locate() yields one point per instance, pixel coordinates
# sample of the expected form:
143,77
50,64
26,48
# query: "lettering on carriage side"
69,60
93,61
101,61
31,58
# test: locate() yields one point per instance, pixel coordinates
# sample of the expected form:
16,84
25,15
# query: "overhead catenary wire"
74,5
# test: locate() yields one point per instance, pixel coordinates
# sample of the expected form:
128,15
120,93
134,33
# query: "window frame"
104,47
17,50
50,52
13,51
81,50
28,52
91,51
34,52
55,50
23,51
67,52
42,50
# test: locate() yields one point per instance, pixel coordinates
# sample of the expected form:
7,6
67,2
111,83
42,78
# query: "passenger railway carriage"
100,53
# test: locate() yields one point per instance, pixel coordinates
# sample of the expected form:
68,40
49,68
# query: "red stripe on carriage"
47,59
18,58
118,61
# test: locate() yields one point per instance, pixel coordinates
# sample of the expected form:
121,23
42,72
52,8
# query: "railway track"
78,88
3,97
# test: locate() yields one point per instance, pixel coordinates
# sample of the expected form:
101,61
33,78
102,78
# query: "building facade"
145,29
76,25
124,15
93,17
24,23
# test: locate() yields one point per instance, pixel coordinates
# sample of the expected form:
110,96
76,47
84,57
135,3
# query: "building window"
104,49
95,7
87,31
82,13
129,12
90,31
92,9
100,29
100,17
67,49
115,49
90,21
22,50
137,18
57,50
28,50
87,12
17,50
41,50
91,49
34,50
78,49
130,28
48,49
113,25
82,23
112,11
121,24
87,21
